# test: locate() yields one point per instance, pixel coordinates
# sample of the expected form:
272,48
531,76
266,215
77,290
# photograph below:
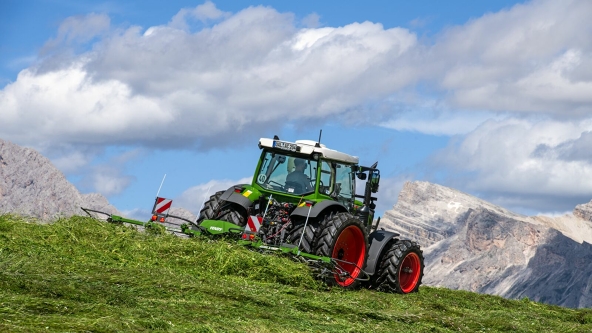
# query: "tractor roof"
308,147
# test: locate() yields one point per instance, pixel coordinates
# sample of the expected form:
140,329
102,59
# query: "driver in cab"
298,178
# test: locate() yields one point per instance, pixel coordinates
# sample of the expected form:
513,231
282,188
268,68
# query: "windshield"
288,174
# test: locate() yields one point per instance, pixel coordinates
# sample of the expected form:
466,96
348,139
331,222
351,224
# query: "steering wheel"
276,183
312,183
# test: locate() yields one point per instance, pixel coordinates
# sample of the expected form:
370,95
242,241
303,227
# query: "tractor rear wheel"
343,237
216,209
401,268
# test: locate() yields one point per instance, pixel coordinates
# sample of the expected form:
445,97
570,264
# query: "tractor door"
344,185
337,182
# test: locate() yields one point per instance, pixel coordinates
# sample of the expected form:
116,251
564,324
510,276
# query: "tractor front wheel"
216,209
343,238
208,212
401,268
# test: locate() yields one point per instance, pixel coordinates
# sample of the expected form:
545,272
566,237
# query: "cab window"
344,184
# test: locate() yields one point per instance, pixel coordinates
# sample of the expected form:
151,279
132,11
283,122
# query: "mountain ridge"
473,245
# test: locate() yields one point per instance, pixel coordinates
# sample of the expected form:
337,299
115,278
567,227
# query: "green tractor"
303,197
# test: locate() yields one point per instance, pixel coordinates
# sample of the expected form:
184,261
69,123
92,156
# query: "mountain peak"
30,185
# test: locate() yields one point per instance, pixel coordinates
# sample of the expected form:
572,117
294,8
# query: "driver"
298,177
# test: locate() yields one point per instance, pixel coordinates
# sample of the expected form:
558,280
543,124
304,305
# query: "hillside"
79,274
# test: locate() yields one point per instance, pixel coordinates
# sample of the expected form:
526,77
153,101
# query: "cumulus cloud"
509,160
204,12
72,161
252,70
108,178
432,116
109,181
194,197
571,150
312,20
524,59
80,29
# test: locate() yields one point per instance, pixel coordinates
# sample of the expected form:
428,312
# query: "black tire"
209,210
343,237
296,232
216,209
401,268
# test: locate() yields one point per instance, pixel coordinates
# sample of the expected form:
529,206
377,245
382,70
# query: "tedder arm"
321,265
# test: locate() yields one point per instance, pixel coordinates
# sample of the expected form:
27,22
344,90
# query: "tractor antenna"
318,145
162,182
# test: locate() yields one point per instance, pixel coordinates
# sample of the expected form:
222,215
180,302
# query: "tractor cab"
306,169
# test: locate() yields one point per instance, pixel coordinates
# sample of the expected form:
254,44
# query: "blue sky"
490,97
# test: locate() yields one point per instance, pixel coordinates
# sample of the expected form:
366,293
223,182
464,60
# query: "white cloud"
80,29
253,69
204,12
510,160
137,214
522,59
108,180
72,161
311,20
431,116
194,197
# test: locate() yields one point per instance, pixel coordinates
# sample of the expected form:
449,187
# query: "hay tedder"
302,201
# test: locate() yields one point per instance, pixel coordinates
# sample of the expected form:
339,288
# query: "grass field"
81,275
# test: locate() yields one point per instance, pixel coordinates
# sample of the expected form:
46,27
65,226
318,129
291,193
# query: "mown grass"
82,275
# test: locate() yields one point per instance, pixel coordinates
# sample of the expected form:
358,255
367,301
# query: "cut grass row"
82,275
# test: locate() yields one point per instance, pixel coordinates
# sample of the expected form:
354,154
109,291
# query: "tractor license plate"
285,145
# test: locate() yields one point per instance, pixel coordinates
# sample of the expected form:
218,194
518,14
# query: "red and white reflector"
162,206
254,223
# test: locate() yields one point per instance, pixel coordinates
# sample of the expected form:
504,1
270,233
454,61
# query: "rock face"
584,211
431,213
473,245
31,186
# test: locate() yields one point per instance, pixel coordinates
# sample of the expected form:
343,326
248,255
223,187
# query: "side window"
326,186
343,183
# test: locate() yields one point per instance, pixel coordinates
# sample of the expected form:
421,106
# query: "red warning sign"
162,206
254,223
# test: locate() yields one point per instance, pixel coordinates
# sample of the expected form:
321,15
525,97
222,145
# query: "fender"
378,240
318,208
230,196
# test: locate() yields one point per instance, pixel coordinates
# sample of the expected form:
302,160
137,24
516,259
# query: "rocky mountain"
31,186
473,245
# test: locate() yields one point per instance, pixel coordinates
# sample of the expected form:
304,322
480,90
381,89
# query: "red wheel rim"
350,246
409,272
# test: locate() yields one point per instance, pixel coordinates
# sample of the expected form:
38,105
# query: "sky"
492,98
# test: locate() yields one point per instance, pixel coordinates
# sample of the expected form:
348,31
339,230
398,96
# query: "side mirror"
374,180
361,176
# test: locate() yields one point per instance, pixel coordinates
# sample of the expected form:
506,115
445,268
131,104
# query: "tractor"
302,199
